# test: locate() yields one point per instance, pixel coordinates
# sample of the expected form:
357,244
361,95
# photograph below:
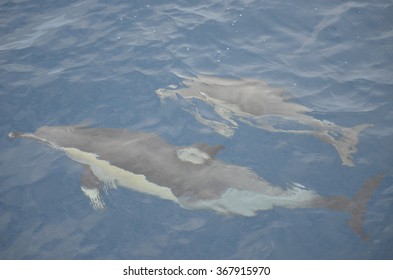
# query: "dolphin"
190,176
256,103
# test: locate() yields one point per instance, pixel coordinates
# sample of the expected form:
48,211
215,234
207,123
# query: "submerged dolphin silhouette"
256,103
189,176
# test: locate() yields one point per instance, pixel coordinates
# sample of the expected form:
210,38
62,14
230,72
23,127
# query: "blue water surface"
100,62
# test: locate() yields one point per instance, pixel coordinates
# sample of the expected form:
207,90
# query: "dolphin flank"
190,176
258,104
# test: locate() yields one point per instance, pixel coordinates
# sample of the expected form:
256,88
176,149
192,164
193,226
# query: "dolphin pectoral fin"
218,126
91,187
355,206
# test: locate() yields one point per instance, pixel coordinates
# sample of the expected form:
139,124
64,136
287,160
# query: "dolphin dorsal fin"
210,150
198,154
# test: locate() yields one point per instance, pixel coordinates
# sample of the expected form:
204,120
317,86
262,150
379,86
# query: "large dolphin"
187,175
256,103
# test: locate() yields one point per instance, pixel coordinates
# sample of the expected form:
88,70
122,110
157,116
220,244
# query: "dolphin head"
53,136
53,132
169,93
59,135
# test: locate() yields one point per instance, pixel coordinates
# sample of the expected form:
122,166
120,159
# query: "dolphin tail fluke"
345,143
359,202
91,187
355,206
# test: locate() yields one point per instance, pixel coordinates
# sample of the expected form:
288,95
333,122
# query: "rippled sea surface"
100,63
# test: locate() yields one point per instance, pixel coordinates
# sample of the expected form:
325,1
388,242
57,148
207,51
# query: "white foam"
193,155
166,93
95,197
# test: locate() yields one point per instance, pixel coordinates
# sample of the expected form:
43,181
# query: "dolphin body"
187,175
256,103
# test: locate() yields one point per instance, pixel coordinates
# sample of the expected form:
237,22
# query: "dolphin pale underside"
190,176
256,103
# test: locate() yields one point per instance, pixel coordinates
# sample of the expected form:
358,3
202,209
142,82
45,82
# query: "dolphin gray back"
190,171
254,97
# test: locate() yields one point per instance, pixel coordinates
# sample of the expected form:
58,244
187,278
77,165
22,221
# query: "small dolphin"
190,176
256,103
